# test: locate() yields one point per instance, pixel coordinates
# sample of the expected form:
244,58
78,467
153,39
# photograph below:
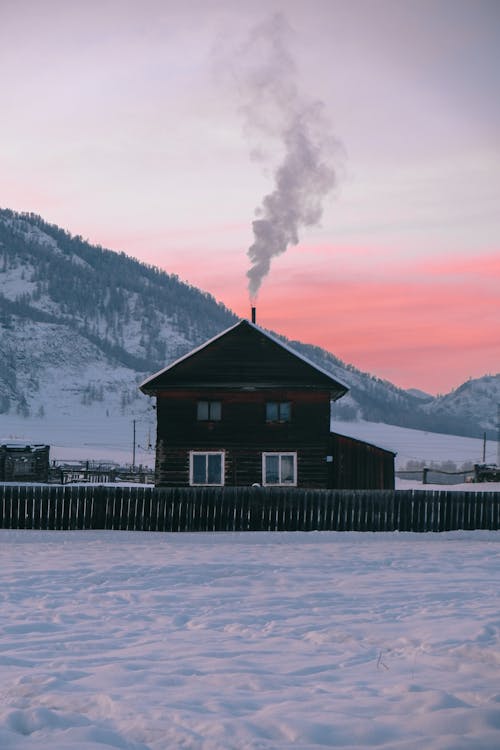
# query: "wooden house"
245,409
24,463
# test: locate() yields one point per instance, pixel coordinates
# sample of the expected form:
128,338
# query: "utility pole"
498,434
133,448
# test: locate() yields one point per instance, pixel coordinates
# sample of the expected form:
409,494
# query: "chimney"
253,315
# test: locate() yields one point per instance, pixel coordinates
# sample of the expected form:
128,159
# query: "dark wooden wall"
243,434
359,465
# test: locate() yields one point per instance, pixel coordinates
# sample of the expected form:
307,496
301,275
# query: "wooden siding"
359,465
243,434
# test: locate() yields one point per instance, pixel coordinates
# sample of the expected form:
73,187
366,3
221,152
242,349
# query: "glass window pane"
215,410
287,472
203,410
199,469
214,469
272,469
285,411
271,411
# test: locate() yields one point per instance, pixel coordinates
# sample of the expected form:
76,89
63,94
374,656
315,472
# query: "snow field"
147,641
90,436
414,484
419,445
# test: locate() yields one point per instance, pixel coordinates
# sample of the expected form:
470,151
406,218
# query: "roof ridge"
273,338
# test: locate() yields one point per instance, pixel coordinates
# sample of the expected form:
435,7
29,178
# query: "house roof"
243,356
382,448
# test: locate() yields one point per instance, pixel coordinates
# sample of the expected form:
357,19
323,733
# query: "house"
245,409
24,463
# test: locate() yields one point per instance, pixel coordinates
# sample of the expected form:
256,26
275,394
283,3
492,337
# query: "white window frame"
280,456
206,453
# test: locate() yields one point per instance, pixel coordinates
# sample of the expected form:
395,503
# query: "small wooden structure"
359,465
24,463
245,409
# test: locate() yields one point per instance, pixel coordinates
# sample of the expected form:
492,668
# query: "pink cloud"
486,266
429,323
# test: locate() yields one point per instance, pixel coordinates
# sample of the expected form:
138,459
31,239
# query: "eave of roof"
187,356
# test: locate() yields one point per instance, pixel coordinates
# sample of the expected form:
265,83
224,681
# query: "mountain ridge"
61,297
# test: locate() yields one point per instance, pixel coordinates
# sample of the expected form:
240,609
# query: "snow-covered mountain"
81,326
477,399
422,395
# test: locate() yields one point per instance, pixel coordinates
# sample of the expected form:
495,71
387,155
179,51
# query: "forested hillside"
81,325
136,313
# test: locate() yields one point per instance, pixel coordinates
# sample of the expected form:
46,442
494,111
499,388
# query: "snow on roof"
335,433
22,445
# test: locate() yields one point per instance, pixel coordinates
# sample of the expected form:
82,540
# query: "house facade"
244,409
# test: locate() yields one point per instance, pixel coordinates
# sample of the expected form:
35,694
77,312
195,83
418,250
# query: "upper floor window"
279,469
206,467
209,411
278,411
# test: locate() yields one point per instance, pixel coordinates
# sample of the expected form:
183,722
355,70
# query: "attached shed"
359,465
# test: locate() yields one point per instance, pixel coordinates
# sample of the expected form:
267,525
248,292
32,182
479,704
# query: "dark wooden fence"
243,509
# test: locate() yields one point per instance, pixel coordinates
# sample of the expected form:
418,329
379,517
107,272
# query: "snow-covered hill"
478,398
81,326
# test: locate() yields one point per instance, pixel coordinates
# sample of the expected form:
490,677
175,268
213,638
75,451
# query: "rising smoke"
275,106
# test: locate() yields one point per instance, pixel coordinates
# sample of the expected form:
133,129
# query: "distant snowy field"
419,445
249,641
90,435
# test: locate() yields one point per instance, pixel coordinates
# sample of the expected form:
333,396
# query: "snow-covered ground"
419,445
92,435
249,641
412,484
89,434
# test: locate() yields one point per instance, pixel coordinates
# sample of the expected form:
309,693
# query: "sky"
359,141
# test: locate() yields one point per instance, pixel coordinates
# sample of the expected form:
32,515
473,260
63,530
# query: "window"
209,411
206,468
278,411
23,466
279,468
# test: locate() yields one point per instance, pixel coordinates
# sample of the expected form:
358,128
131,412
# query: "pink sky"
119,123
428,325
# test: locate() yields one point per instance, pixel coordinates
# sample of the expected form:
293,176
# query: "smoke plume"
276,107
